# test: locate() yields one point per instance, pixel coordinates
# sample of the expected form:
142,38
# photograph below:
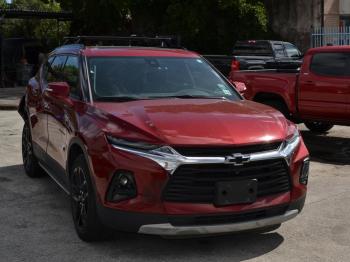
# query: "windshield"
127,78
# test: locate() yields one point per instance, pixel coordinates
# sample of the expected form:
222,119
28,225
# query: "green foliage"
205,26
46,30
210,26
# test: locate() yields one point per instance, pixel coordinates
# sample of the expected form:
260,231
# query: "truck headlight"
304,174
290,145
165,156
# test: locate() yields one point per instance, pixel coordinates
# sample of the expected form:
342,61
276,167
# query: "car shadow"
52,224
327,149
237,247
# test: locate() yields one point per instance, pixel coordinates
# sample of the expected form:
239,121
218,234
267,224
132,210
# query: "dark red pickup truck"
318,94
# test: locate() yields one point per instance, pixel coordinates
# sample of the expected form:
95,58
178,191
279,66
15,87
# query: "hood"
200,121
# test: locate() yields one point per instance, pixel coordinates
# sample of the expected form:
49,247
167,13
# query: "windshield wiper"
117,98
189,97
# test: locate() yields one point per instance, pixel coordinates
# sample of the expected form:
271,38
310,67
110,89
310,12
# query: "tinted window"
155,77
252,48
279,50
332,64
45,67
71,75
292,51
55,69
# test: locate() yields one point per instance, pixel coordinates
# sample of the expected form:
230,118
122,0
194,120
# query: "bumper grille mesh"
196,183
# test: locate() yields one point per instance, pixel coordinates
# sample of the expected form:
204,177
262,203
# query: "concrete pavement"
36,224
10,97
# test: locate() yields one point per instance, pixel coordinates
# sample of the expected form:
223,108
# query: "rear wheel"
83,203
30,162
318,127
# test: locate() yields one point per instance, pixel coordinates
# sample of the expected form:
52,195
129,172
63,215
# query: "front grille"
226,150
195,183
227,218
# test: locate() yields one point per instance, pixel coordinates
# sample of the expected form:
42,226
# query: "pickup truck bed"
318,94
262,84
257,54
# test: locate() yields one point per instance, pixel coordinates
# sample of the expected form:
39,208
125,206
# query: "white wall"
344,7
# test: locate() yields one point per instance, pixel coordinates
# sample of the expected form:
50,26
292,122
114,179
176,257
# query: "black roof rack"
157,41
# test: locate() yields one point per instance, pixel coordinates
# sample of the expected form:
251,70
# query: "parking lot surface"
36,224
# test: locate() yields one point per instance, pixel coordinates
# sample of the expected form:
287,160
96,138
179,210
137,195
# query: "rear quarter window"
331,64
252,48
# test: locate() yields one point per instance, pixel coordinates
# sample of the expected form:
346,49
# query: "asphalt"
36,224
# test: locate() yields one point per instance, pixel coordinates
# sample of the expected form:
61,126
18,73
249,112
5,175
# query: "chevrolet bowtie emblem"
237,159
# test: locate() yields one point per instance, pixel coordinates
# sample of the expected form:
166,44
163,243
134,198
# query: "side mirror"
241,87
59,89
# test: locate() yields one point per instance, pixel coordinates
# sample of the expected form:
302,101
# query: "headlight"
130,144
290,145
165,156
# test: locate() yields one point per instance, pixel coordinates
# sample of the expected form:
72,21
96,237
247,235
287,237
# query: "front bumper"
169,230
181,225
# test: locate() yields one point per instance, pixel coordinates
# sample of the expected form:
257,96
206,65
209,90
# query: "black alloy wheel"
30,162
80,194
83,203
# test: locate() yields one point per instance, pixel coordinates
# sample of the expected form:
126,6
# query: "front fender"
22,108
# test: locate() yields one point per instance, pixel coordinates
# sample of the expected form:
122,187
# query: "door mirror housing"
59,89
241,87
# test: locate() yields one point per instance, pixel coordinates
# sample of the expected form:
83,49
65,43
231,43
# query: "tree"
45,30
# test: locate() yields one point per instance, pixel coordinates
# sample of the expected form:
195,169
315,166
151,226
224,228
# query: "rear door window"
279,50
55,69
252,48
331,64
292,51
71,76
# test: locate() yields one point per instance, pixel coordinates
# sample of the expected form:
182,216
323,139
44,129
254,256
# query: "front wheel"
83,202
318,127
30,162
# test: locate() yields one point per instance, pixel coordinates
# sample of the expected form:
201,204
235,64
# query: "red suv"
156,141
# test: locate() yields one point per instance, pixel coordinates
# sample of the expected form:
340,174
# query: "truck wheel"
279,105
318,127
30,162
83,203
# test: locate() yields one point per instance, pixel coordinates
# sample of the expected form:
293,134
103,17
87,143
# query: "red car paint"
308,96
60,124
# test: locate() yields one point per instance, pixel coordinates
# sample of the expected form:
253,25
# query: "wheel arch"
77,147
263,96
22,108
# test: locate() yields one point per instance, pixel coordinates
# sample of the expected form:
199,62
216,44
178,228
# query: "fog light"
304,174
122,186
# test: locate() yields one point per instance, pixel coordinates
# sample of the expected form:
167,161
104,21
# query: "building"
336,13
309,23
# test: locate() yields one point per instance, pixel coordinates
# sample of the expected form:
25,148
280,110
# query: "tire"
30,162
83,203
318,127
277,104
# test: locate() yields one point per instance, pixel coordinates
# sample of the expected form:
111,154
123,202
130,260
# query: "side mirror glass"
59,89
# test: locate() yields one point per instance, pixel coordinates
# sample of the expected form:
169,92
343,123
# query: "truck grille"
195,183
226,150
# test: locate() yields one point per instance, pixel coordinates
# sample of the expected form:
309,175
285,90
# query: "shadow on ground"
328,149
36,215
